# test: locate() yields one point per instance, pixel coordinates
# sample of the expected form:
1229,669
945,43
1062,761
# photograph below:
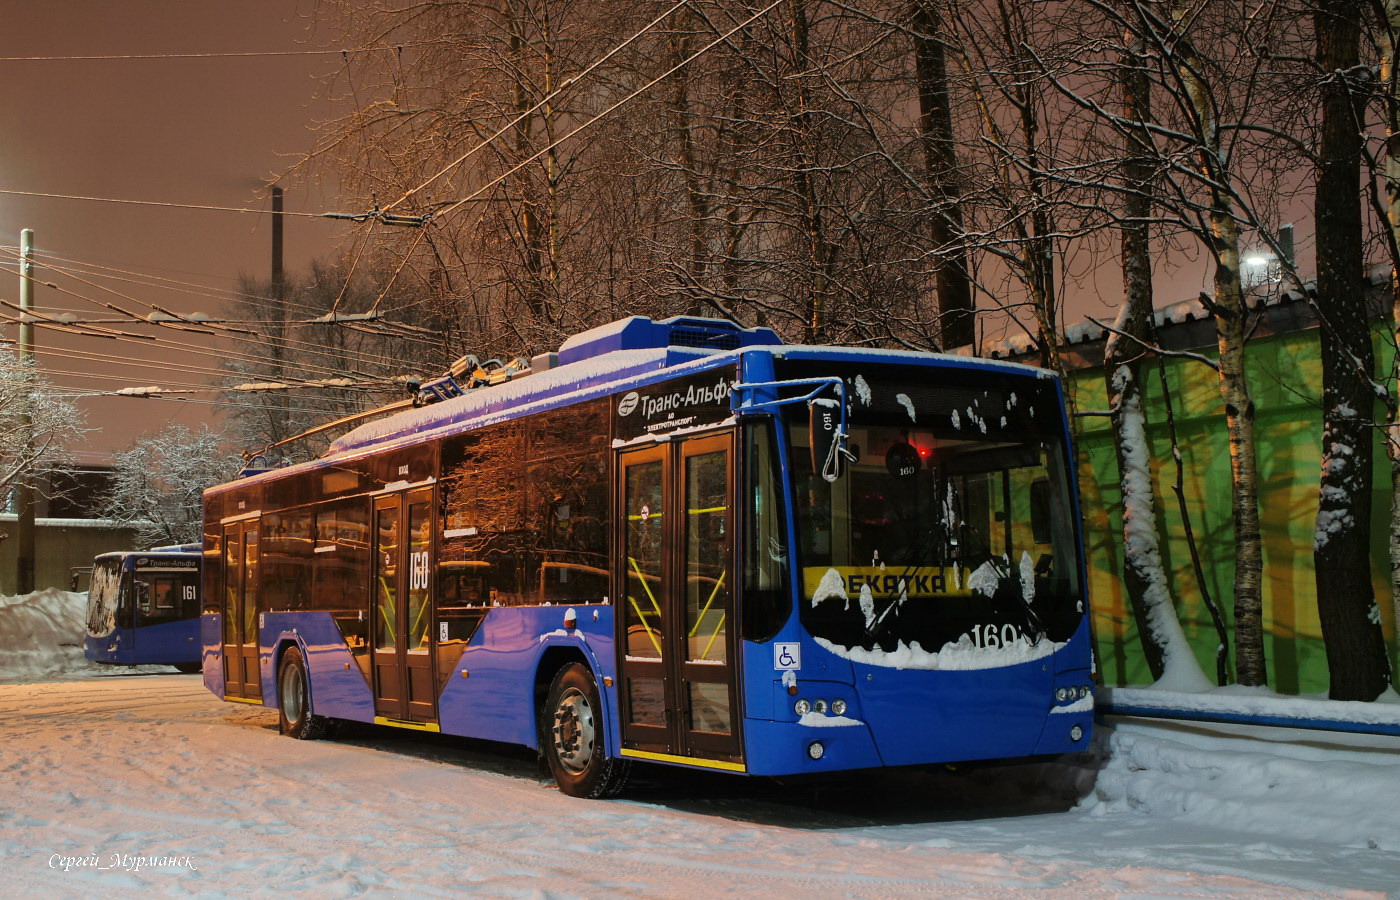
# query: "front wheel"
572,737
294,700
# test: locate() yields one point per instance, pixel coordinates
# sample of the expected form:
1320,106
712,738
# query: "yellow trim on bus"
400,723
686,760
256,701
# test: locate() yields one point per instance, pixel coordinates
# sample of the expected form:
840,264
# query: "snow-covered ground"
121,769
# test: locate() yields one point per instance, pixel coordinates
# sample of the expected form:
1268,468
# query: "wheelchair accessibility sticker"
787,657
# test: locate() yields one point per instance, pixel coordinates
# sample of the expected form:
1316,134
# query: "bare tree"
1169,655
1346,604
37,423
159,483
956,306
1385,196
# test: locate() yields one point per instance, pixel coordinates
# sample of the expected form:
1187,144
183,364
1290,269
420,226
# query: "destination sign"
683,403
888,581
165,563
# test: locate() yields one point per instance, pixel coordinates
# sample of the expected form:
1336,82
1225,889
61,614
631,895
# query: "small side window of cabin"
1040,511
767,605
157,597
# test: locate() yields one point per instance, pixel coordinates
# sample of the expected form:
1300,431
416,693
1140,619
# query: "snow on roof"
510,395
857,354
1179,313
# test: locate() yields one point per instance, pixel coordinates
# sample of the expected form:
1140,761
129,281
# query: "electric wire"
161,203
225,54
128,362
100,331
107,395
161,343
389,329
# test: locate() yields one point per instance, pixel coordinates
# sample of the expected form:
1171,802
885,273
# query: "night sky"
204,131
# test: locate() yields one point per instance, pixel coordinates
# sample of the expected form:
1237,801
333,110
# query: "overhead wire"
159,203
217,54
127,362
189,325
83,395
443,210
386,328
162,343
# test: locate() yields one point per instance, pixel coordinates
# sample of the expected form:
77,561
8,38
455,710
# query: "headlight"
820,706
1064,694
1083,691
815,750
802,707
838,707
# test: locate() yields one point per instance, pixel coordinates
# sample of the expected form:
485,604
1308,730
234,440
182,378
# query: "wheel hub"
290,694
574,731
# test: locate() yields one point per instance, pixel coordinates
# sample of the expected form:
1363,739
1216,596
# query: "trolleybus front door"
403,659
240,608
678,683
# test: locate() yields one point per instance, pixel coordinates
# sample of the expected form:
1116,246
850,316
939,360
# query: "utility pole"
24,485
282,427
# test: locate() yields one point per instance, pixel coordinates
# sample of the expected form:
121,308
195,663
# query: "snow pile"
41,634
1259,703
1281,784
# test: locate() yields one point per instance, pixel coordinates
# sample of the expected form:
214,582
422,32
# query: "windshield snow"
949,541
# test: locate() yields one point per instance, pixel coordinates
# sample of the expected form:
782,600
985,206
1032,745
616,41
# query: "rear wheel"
294,700
189,668
572,737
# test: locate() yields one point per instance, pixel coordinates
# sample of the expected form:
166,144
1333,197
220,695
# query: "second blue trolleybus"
677,542
144,609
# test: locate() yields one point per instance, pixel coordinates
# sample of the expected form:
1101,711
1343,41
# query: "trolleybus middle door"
678,690
240,572
403,658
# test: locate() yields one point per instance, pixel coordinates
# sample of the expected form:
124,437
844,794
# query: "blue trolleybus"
143,608
681,542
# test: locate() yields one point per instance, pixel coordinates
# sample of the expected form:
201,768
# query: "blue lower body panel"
162,644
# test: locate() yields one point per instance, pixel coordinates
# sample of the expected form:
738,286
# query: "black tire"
294,717
189,668
571,737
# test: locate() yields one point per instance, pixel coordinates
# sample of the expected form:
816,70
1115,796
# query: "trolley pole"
24,485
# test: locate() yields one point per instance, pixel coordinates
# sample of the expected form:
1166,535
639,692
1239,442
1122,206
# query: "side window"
480,555
340,566
567,504
766,601
126,607
567,516
286,559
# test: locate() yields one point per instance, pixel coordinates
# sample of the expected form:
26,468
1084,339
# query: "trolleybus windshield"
951,529
104,590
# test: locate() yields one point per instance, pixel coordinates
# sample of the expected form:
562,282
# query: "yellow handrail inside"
718,629
719,583
641,618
